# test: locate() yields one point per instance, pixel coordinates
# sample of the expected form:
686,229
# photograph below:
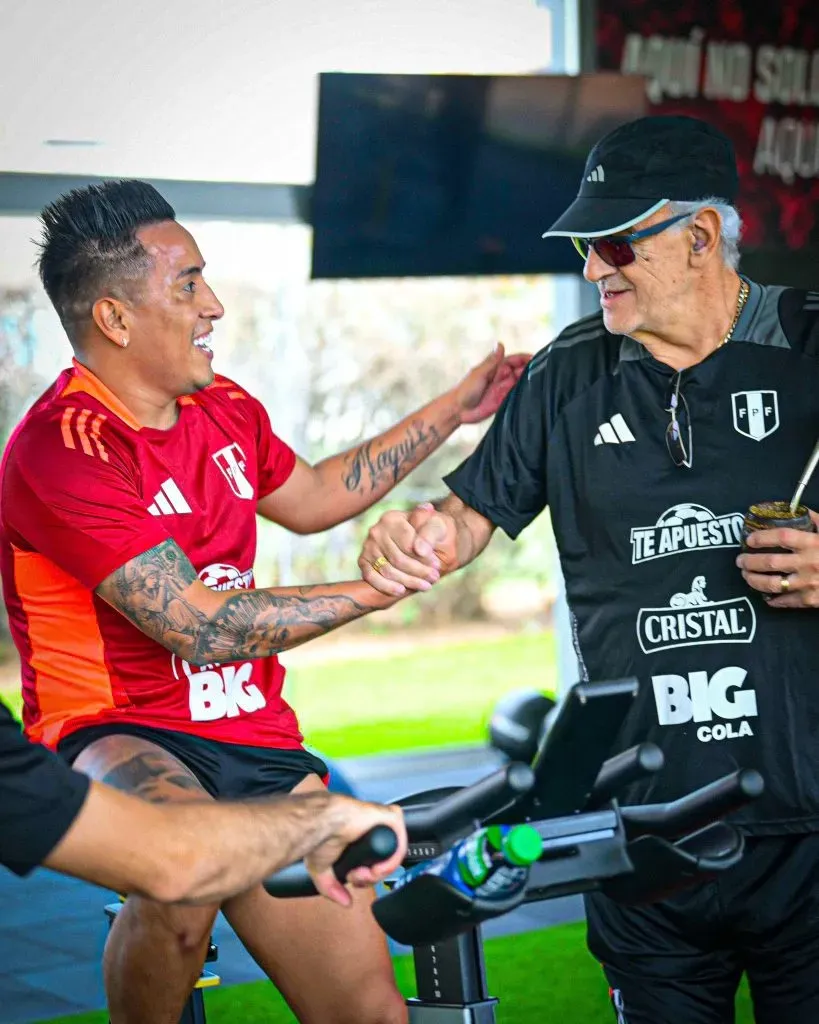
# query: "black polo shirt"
648,548
40,796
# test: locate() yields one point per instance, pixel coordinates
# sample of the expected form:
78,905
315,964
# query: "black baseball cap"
640,166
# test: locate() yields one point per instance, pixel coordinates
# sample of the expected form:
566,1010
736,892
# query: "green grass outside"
437,697
13,700
546,977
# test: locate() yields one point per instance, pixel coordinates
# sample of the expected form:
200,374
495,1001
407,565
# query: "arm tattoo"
386,466
149,776
150,591
256,623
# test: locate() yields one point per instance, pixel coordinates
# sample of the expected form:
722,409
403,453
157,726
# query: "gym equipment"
518,723
633,854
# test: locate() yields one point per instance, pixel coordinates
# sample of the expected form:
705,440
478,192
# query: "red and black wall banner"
752,69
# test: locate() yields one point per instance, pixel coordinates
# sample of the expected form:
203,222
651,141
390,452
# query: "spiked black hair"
89,246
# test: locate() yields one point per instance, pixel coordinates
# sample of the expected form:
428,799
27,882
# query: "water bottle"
491,863
480,877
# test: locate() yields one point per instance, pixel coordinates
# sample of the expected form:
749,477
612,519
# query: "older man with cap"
648,429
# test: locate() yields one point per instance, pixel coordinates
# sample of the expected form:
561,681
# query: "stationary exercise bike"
568,793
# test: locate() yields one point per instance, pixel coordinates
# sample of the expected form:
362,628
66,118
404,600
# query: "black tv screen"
438,175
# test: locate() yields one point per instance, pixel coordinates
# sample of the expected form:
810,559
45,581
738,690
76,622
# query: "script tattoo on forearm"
391,463
254,624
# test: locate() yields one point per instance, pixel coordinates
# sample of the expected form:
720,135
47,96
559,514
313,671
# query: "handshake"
409,551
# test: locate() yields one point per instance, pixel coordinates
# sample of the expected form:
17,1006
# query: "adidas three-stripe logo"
614,431
598,174
86,427
169,500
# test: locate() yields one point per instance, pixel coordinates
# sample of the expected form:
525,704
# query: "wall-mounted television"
439,175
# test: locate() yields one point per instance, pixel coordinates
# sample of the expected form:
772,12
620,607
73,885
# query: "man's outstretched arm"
207,852
315,498
160,593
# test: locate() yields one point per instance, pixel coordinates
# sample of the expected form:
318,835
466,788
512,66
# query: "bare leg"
331,963
154,953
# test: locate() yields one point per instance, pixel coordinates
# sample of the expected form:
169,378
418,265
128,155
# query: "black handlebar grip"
697,809
374,846
625,768
751,783
378,844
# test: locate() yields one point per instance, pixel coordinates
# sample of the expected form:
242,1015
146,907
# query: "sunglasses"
678,432
616,250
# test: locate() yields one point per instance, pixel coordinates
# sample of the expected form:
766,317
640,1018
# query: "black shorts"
680,961
227,771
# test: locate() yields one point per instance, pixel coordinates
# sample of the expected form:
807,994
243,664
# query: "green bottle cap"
522,845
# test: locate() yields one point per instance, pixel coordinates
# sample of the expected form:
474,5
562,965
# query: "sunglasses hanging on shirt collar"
678,438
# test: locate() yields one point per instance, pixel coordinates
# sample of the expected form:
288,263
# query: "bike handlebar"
374,846
694,810
461,809
623,769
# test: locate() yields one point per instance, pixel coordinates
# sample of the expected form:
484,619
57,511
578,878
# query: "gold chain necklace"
742,298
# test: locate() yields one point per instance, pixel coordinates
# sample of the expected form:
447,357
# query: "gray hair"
730,224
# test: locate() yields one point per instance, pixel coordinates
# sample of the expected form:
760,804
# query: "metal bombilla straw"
807,473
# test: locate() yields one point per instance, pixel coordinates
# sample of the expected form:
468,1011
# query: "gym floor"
52,929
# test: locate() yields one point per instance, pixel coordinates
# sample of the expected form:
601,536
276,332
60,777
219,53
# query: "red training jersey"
83,489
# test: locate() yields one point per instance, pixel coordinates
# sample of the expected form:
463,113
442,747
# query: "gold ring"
380,562
784,584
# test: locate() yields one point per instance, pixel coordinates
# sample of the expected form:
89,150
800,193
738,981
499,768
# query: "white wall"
224,90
